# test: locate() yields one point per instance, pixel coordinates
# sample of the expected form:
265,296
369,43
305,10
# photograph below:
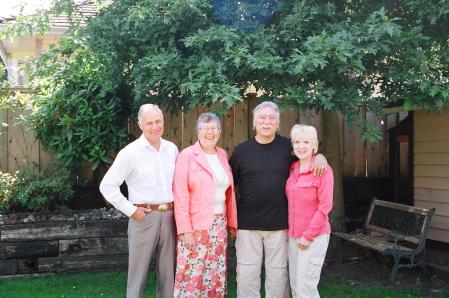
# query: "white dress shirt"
148,174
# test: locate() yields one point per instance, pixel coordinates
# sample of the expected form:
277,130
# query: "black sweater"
260,173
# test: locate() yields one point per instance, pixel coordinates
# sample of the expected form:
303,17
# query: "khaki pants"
250,248
305,266
155,234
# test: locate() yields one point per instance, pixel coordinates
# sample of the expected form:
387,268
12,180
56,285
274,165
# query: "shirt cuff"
128,209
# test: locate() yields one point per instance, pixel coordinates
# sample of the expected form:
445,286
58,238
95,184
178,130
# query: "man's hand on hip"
140,213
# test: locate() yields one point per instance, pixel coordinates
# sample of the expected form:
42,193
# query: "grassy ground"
112,284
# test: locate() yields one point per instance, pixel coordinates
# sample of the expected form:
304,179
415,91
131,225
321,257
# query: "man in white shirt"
147,165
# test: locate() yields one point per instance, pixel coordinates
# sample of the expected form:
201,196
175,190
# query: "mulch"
364,268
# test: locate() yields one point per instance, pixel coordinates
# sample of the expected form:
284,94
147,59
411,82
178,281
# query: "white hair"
206,118
149,107
301,130
267,104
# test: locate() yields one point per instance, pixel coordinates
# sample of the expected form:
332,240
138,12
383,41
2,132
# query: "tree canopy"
344,56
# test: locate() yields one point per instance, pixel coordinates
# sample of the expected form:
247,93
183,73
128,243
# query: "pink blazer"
193,189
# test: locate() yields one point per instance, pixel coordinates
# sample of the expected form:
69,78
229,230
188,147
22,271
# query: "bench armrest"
397,237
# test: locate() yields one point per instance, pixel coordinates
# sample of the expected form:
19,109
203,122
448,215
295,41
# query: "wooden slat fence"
19,149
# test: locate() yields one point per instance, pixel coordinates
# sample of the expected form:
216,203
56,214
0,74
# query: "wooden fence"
19,149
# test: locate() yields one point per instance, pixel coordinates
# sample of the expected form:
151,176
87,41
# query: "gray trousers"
153,235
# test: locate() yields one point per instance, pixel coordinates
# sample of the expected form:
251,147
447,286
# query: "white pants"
305,266
250,247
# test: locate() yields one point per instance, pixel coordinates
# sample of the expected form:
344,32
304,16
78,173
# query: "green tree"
335,56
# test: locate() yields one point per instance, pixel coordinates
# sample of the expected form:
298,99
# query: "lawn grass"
113,284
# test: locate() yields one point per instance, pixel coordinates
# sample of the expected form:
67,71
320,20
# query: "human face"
266,123
152,126
304,146
208,135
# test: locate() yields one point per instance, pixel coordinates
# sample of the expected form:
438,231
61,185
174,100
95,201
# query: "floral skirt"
202,272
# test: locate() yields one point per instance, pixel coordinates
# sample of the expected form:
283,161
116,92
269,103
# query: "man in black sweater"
261,166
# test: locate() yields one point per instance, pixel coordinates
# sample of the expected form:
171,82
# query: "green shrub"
31,191
6,183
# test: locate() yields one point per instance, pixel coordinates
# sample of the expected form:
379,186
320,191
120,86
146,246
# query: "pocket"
307,189
315,266
304,183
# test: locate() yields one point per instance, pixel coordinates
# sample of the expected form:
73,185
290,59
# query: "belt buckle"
163,207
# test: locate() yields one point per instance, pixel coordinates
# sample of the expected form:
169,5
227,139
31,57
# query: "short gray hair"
206,118
302,129
267,104
149,107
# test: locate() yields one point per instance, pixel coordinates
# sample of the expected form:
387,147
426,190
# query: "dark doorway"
400,144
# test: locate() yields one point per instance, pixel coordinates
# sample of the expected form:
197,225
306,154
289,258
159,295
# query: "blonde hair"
300,130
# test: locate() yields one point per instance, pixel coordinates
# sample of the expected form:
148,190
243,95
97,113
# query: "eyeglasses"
208,128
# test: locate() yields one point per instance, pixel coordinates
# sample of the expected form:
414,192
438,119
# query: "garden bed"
64,241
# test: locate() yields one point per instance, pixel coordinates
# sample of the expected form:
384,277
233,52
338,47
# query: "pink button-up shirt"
309,202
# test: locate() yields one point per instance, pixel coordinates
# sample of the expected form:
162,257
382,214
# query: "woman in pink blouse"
309,203
205,210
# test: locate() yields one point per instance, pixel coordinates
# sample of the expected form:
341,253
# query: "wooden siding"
431,169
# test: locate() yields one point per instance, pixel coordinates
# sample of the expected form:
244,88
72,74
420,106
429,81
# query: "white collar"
143,142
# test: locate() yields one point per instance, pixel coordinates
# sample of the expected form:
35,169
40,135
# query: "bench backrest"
392,219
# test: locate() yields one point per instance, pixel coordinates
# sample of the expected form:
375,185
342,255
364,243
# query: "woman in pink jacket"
309,203
205,209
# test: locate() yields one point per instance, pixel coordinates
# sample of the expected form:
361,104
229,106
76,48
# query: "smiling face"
304,146
208,135
304,141
266,123
152,126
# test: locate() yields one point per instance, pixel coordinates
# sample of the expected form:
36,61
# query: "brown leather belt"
157,207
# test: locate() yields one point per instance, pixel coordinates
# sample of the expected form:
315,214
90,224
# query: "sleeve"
234,165
181,194
325,198
110,185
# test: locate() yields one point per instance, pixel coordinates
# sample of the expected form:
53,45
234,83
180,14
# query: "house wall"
431,168
20,52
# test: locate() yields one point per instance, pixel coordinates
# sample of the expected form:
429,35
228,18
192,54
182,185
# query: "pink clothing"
309,202
194,189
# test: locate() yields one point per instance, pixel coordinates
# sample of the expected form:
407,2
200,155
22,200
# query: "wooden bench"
397,230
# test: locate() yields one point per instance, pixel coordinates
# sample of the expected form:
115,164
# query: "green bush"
6,183
30,191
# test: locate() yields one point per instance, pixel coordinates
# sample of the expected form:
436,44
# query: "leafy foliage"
6,183
30,191
349,57
345,56
78,115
